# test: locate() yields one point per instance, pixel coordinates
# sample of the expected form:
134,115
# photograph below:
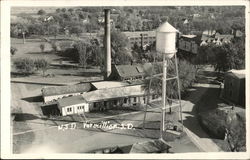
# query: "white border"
6,151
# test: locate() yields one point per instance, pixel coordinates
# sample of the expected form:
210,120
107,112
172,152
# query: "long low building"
131,95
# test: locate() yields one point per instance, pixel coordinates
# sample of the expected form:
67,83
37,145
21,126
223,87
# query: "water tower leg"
163,95
179,92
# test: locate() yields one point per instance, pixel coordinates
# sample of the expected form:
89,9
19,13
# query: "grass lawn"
31,49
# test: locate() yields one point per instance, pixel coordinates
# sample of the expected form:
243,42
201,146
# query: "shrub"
25,65
42,64
13,51
55,46
42,47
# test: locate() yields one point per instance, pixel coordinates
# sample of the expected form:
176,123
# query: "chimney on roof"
107,44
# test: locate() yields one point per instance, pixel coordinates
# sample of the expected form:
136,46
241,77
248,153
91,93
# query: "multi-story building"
189,43
142,38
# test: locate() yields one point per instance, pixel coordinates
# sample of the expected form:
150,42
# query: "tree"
71,10
42,64
187,73
25,65
76,30
223,57
119,48
42,47
41,12
13,50
54,29
58,10
36,28
83,52
63,10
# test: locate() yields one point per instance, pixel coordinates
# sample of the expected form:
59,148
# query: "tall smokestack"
107,44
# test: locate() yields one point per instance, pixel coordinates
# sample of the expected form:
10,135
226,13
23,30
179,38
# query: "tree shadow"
24,116
84,74
193,125
18,74
36,53
33,99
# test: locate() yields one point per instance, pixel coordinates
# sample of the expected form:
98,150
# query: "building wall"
75,109
139,40
119,102
232,88
188,46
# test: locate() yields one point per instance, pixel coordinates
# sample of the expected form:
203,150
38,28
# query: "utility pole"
23,37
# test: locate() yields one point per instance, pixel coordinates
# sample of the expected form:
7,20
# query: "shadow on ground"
33,99
24,116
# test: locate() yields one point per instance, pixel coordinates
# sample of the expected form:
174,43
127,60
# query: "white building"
72,105
105,98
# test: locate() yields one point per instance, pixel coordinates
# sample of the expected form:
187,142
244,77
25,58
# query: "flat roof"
108,84
59,90
64,102
189,36
110,93
238,73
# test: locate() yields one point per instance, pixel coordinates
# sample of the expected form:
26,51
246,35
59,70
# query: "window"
125,100
153,96
144,100
69,109
134,99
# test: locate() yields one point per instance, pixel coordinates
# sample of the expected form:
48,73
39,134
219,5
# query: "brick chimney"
107,45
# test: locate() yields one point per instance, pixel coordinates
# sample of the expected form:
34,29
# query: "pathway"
190,120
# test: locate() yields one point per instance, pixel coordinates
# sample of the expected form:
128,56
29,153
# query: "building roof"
189,36
237,73
108,84
132,70
64,102
238,33
224,36
152,146
58,90
110,93
209,32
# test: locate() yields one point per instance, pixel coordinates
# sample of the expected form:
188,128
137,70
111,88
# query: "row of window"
139,38
144,99
78,107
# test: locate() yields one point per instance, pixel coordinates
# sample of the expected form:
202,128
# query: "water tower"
166,45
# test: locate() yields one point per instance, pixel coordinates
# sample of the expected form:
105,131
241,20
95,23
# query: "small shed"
234,87
129,72
72,105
